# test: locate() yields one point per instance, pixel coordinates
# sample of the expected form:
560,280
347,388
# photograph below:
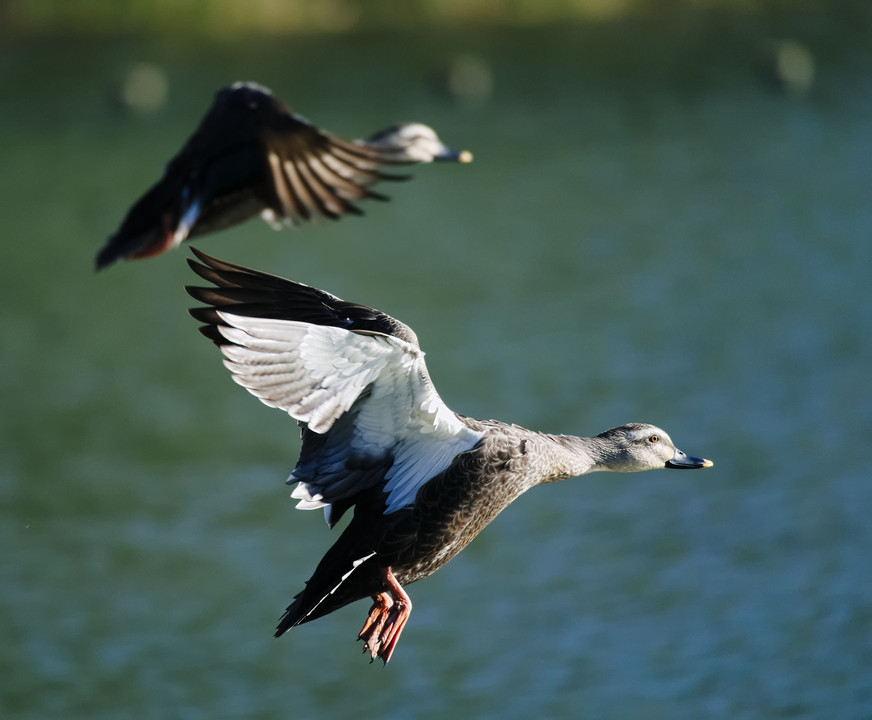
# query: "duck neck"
571,456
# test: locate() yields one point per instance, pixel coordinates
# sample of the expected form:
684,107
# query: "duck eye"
654,439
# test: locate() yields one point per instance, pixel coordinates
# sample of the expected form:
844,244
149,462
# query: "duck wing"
249,155
353,376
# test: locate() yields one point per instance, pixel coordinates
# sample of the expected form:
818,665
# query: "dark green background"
655,228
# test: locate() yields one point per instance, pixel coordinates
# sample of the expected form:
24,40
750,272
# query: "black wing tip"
207,273
222,294
203,314
378,196
219,273
207,315
347,209
202,257
218,265
198,267
212,322
214,334
210,267
107,256
239,290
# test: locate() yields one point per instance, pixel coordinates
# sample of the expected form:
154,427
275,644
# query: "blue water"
651,231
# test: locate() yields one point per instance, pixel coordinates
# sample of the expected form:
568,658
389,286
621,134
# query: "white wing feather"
316,373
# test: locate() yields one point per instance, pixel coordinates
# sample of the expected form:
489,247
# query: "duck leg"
378,614
387,617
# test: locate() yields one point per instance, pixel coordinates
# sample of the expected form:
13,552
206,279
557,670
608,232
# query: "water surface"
651,231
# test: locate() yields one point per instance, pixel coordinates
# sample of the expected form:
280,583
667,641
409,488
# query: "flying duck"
422,480
252,156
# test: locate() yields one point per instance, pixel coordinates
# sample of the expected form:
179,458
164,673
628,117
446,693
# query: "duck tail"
328,590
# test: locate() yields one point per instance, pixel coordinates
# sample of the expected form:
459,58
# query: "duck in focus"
251,156
422,481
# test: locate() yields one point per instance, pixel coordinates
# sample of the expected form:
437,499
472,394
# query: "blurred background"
667,220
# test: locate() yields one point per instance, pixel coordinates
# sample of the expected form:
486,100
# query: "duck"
422,481
250,155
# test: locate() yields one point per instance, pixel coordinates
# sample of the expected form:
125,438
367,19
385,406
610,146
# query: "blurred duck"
423,480
252,156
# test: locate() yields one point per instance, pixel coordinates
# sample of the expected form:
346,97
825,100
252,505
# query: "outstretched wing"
353,375
249,155
312,173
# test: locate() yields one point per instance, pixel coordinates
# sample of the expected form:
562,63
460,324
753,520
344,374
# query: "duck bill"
446,154
681,461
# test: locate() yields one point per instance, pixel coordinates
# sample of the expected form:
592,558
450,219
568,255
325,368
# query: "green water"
651,231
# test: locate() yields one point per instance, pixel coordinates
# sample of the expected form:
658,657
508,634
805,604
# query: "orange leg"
387,617
378,614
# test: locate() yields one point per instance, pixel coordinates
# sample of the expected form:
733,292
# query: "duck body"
249,156
423,480
449,511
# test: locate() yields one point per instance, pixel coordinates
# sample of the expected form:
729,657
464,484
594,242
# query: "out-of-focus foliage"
225,17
